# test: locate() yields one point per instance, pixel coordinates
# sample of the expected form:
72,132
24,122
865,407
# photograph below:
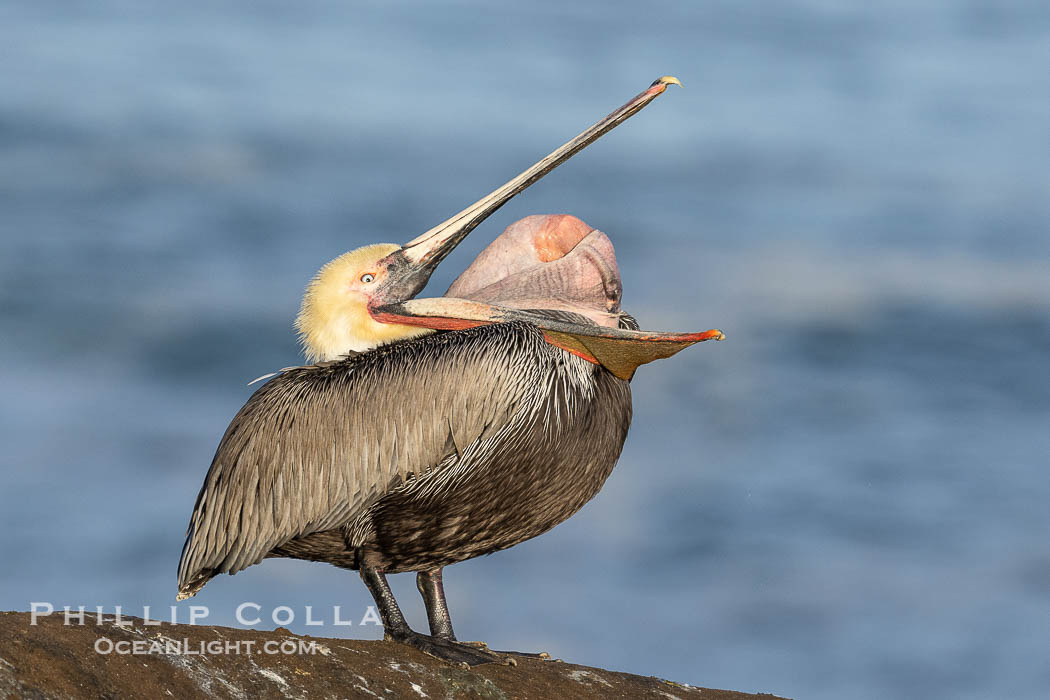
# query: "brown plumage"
388,451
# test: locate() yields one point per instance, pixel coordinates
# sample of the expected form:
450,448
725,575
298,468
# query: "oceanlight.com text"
213,647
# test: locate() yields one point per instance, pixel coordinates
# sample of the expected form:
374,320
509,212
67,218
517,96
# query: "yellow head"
334,318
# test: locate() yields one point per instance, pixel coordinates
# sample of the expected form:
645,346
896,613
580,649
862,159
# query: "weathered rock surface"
53,660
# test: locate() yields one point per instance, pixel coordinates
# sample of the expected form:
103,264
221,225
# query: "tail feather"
194,585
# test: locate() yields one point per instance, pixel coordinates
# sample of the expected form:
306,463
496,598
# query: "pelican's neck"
328,333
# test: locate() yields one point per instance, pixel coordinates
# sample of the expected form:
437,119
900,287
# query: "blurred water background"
847,498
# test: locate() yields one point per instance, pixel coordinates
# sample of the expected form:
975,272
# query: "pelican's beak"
619,351
409,269
586,255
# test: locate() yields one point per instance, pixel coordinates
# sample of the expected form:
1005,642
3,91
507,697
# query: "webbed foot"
458,653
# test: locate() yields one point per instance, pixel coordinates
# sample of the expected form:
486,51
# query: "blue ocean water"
847,498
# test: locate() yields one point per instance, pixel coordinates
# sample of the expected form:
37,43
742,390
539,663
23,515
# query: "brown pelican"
430,431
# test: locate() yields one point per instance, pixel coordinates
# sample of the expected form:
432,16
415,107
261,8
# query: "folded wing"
317,445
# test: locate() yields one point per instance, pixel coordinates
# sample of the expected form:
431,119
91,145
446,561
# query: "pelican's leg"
433,592
432,589
395,627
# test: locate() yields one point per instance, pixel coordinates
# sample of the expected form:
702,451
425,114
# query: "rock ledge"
103,660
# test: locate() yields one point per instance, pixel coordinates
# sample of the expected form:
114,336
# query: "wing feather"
315,446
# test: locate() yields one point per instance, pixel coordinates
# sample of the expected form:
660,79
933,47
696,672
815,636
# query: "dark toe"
541,656
454,652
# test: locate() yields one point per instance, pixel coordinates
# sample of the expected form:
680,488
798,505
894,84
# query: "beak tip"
666,80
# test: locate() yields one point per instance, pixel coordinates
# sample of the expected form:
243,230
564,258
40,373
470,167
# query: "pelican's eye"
368,277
